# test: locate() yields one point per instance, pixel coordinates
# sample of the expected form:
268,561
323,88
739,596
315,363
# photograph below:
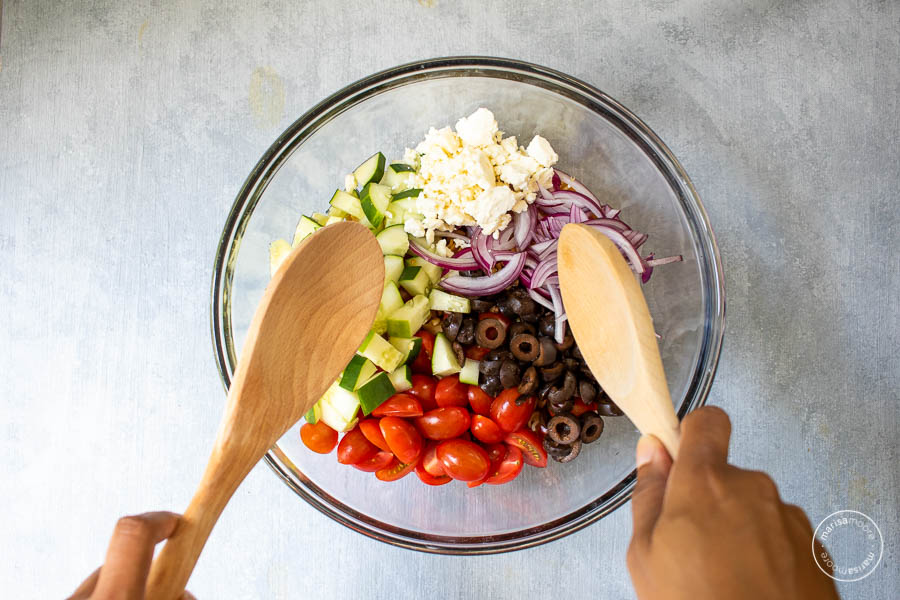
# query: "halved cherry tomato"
402,438
479,400
422,362
450,392
423,387
530,444
494,315
376,463
486,430
508,469
477,352
580,407
430,479
395,470
444,423
430,461
496,452
372,431
354,448
462,460
509,415
399,405
319,437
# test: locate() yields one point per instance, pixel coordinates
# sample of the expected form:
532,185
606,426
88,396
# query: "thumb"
653,465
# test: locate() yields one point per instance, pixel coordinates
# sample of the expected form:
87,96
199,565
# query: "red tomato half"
423,387
479,400
462,460
354,448
376,463
496,453
450,392
477,352
486,430
509,415
430,460
319,437
530,444
395,470
580,407
399,405
430,479
422,362
444,423
372,431
402,438
508,469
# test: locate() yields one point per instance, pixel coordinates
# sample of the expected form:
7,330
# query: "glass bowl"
601,143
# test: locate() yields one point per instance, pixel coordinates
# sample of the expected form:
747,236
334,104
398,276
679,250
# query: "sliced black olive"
460,352
562,452
546,352
534,421
587,373
576,353
587,391
509,374
490,333
529,382
489,367
520,327
466,331
572,364
478,305
451,325
609,410
547,324
565,406
506,310
591,427
564,428
525,347
491,385
433,326
568,341
559,395
553,372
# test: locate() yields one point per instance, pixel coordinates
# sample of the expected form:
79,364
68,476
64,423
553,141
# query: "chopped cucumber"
356,373
375,391
402,168
305,228
410,193
393,240
374,199
314,414
396,176
278,251
333,220
393,267
443,358
440,300
469,372
379,326
371,170
391,300
398,210
347,203
319,218
409,347
409,318
339,408
434,272
334,211
380,352
415,281
401,377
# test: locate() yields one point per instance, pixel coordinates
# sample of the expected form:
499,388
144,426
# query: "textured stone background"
127,128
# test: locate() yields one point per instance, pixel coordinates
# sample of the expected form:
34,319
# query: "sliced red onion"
461,263
524,224
570,197
540,299
556,180
576,215
545,269
577,186
613,223
637,263
560,332
541,246
481,250
452,235
488,284
655,262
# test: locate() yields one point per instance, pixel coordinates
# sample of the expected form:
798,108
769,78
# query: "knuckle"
633,556
763,484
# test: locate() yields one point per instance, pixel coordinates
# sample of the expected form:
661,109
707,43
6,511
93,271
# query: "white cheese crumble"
475,176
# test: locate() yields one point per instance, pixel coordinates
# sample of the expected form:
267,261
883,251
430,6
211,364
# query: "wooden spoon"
614,331
315,313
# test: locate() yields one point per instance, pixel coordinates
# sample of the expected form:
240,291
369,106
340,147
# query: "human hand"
124,573
706,530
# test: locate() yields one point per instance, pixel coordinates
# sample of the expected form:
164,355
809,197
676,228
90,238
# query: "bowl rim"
573,88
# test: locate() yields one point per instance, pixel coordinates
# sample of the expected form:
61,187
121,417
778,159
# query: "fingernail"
646,446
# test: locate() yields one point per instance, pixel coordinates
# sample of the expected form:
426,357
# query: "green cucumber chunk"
441,300
410,193
305,228
434,272
356,373
278,251
380,352
374,200
339,408
415,281
401,378
371,170
393,267
319,218
443,358
374,392
393,240
408,319
469,372
408,347
391,299
314,414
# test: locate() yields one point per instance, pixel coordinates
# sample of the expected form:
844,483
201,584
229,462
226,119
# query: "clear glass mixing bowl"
601,143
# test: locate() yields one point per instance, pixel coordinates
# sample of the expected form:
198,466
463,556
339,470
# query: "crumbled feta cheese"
490,208
414,227
539,149
441,248
349,182
477,129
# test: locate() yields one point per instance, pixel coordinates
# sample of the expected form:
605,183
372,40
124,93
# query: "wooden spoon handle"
665,429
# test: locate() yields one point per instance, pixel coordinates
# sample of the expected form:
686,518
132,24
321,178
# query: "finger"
654,464
131,552
186,595
87,586
704,437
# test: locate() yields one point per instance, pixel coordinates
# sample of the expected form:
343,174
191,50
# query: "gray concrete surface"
127,128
